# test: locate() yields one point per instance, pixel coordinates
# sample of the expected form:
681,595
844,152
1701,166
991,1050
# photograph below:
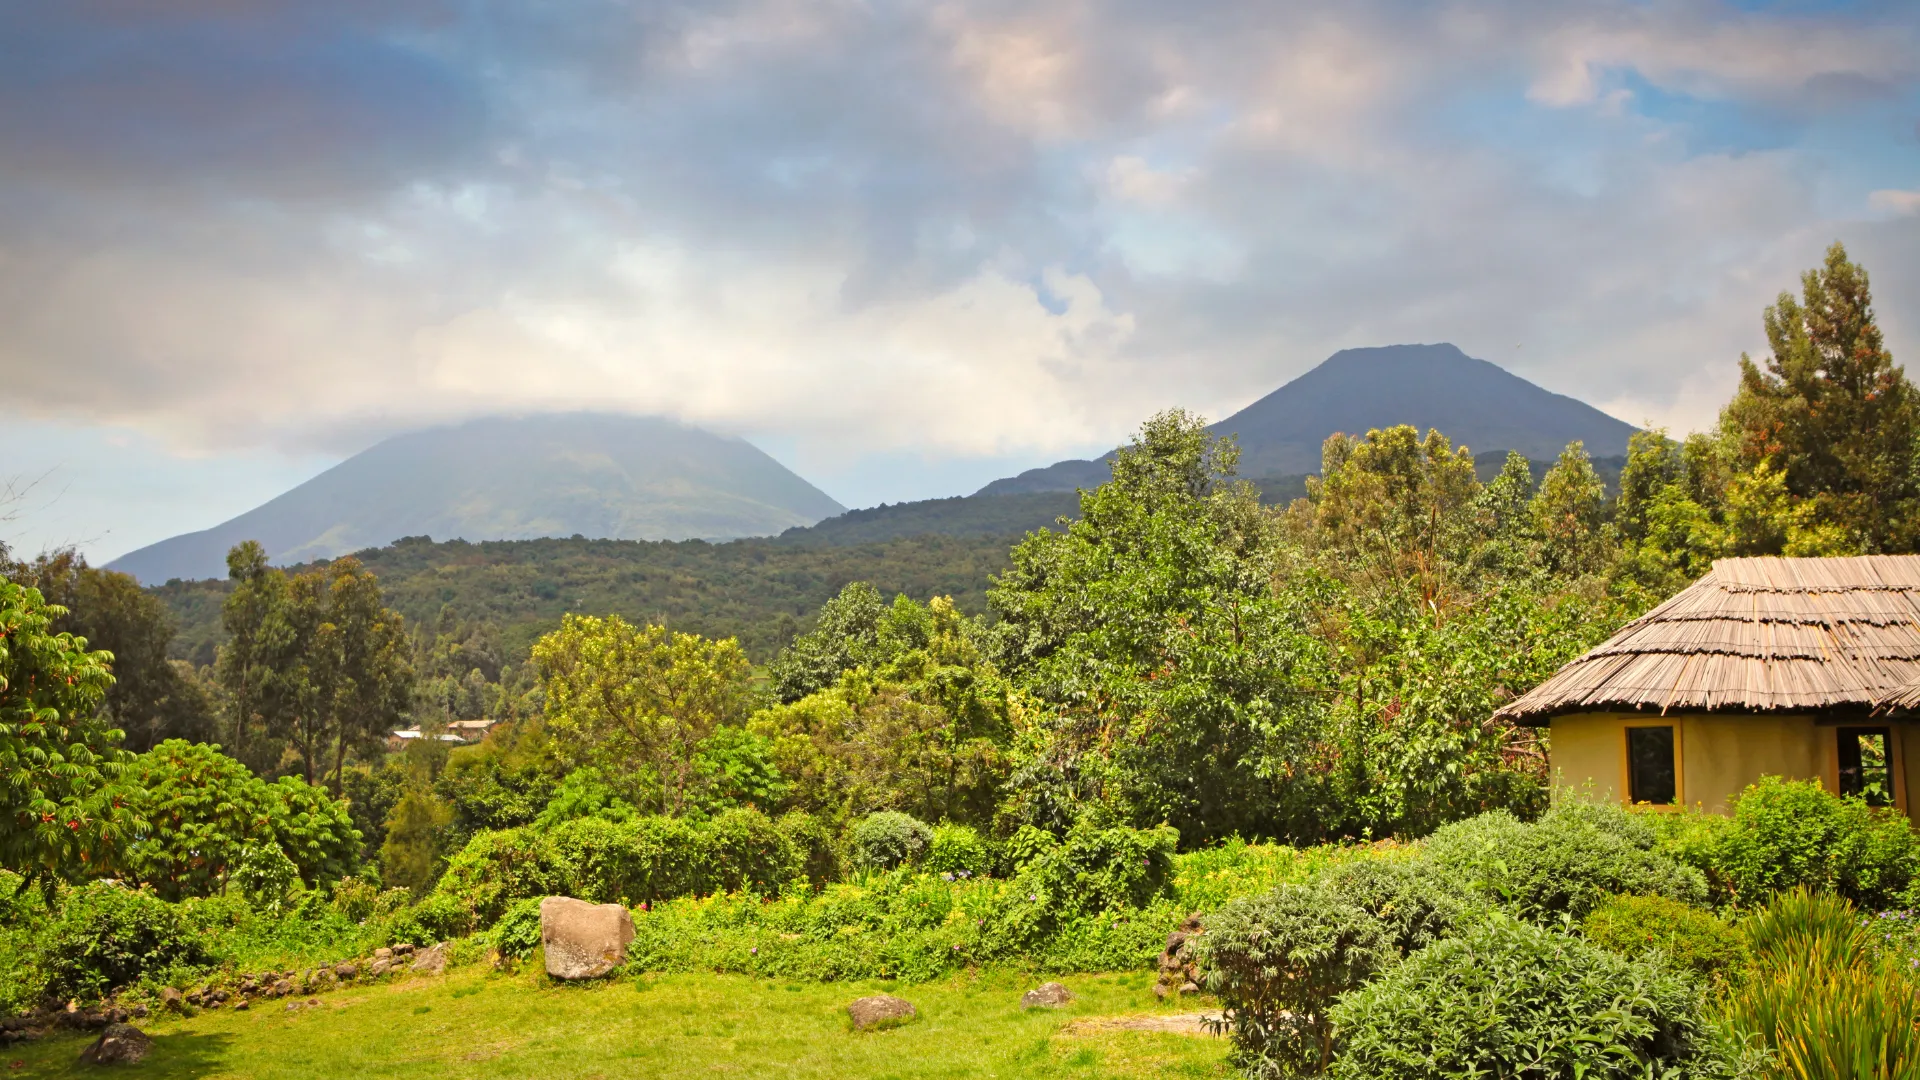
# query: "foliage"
889,840
1093,870
314,661
1568,863
845,635
958,850
152,699
582,793
106,936
264,875
645,860
1831,412
737,768
1512,999
57,760
410,855
1278,962
1788,834
198,810
1680,935
1821,1000
638,702
1417,903
517,933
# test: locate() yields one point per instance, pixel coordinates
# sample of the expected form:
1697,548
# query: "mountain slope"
601,476
1472,402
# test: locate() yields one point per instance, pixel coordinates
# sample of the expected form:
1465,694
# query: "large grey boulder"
880,1011
431,961
582,940
119,1044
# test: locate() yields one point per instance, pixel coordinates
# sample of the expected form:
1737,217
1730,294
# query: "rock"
1046,996
1189,988
345,972
383,954
119,1044
140,1011
431,961
242,1005
1160,991
582,940
117,1015
403,949
282,988
381,965
880,1011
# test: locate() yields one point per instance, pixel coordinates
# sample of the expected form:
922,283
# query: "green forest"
913,755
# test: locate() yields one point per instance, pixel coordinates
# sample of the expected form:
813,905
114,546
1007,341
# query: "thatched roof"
1755,635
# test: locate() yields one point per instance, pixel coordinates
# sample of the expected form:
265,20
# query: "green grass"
475,1025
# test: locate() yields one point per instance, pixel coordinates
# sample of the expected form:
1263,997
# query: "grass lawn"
476,1025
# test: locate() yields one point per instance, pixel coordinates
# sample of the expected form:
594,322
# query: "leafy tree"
256,590
845,635
199,810
1570,513
58,760
638,702
1831,411
411,855
151,699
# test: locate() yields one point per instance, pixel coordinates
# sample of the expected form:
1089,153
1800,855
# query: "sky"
904,247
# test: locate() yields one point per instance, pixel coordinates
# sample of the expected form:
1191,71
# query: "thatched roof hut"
1757,635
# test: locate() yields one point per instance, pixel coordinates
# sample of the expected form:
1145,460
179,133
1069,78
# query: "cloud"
967,228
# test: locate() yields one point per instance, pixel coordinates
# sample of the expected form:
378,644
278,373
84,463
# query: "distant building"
471,730
398,739
1805,668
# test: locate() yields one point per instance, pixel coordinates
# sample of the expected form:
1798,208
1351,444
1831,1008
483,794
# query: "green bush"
1279,962
199,810
957,850
265,876
1510,999
1095,870
636,862
889,840
1568,862
517,933
436,918
107,936
1788,834
1414,900
1684,937
1821,999
813,843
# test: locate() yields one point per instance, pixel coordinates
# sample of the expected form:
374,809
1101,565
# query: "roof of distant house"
1765,634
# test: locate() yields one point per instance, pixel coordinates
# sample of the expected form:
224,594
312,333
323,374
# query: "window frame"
1885,731
1679,758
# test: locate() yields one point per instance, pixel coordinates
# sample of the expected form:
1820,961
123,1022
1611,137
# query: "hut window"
1865,765
1650,768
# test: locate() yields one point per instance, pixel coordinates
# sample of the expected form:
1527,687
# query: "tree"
151,699
1831,411
844,636
58,759
257,590
638,702
1570,511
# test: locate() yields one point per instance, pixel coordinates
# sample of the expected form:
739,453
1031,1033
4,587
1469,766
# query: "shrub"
1512,999
200,809
584,792
517,933
813,845
265,876
437,918
1278,962
107,936
1095,870
1788,834
633,862
1684,937
1416,903
1568,862
1821,1000
957,850
889,839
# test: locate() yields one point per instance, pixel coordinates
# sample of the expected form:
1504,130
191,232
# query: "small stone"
345,971
140,1010
880,1011
380,966
383,954
1046,996
1160,991
118,1015
1189,988
282,988
241,1005
119,1044
403,949
432,961
219,997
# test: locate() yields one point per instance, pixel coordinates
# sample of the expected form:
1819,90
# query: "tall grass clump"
1821,1000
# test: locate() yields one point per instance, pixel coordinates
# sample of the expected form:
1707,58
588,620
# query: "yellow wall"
1719,755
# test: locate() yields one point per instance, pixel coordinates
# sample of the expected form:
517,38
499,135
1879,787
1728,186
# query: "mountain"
1473,402
513,478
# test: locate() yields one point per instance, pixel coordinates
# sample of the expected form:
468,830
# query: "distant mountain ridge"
513,478
1473,402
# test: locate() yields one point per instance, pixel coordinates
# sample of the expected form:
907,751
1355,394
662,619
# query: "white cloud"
1895,201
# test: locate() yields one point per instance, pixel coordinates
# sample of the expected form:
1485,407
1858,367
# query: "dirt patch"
1172,1023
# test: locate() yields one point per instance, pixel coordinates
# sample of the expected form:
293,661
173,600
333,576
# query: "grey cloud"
880,224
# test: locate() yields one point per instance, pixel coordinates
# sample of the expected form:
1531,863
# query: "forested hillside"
760,591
